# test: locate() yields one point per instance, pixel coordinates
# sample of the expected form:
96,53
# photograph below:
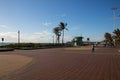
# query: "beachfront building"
77,41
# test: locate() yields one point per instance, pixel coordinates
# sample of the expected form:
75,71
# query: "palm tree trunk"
58,39
63,37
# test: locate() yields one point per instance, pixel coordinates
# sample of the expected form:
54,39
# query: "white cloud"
3,26
9,36
75,28
94,37
37,37
97,38
46,23
68,38
43,33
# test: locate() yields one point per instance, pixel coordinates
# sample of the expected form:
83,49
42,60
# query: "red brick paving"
58,64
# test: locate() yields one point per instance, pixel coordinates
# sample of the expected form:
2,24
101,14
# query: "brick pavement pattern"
60,64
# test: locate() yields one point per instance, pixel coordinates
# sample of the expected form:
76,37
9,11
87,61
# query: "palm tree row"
60,30
113,39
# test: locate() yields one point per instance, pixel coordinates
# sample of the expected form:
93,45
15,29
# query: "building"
77,41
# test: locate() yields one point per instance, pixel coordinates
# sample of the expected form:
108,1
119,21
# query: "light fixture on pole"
114,9
18,36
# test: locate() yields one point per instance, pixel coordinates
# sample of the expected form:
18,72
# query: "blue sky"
37,18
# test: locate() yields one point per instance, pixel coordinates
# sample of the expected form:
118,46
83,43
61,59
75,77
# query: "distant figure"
93,48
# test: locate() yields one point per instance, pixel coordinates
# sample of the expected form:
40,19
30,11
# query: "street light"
114,21
114,18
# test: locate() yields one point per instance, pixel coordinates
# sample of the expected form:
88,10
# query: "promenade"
63,64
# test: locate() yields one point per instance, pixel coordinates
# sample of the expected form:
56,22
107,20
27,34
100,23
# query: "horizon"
36,19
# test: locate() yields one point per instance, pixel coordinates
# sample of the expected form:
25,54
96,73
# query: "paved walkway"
60,64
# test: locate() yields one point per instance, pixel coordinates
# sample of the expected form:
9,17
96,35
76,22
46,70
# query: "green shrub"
36,45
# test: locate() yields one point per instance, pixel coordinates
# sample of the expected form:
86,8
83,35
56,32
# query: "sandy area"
79,48
11,63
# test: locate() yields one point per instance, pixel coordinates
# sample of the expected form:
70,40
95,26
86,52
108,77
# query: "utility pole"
18,37
114,9
53,39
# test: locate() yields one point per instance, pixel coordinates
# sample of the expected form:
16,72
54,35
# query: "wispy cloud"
43,33
46,23
9,36
3,26
64,15
75,28
36,37
68,38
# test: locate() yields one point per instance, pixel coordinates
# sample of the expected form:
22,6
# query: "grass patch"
6,49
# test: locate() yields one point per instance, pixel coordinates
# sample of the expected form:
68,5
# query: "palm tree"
108,38
57,32
117,33
62,26
117,36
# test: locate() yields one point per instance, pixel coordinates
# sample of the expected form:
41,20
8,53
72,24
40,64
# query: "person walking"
93,48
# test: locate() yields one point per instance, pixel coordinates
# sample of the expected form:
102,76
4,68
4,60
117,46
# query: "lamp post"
53,40
114,9
114,21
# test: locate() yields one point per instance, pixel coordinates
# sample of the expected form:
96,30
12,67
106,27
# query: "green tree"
62,26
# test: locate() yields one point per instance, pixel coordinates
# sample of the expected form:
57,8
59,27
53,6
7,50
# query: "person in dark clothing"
93,48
